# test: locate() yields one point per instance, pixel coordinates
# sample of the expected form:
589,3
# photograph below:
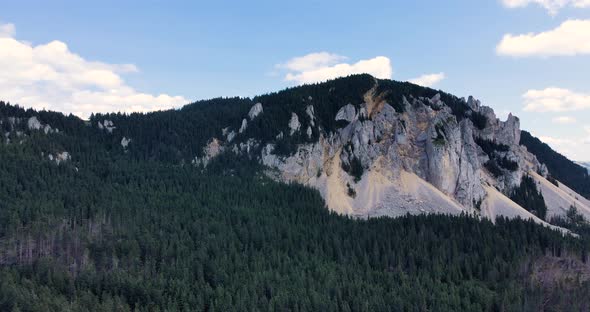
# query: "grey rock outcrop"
311,114
294,124
244,125
125,142
60,157
107,125
34,124
425,159
255,111
346,113
210,151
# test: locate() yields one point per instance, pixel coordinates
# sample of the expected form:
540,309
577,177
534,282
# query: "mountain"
585,164
427,152
281,202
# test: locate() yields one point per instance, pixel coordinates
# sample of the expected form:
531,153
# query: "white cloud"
564,120
50,76
570,38
317,67
552,6
570,147
428,80
7,30
555,100
312,61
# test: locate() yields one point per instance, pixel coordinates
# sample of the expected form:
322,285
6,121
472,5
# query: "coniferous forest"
138,229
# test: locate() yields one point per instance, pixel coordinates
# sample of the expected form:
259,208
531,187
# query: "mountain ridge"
345,126
175,210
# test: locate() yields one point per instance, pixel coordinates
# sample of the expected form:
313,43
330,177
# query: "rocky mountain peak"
390,154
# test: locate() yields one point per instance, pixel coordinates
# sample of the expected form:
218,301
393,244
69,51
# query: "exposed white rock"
294,124
509,131
244,125
210,151
560,198
107,125
231,136
497,204
34,124
60,157
473,103
421,161
311,114
12,121
125,142
248,146
347,113
255,111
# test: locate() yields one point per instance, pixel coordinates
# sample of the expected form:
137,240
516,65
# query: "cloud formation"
322,66
428,80
564,120
50,76
570,38
555,100
571,147
7,30
552,6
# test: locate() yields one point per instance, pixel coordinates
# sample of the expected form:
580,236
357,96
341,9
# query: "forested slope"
561,168
140,229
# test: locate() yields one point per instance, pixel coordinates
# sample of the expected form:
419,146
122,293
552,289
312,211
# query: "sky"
530,58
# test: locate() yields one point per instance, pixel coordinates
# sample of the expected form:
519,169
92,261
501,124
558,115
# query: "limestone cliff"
423,158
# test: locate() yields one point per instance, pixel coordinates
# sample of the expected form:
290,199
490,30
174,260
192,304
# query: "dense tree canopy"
140,229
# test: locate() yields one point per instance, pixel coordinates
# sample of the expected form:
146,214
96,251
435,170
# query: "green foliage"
440,135
479,120
560,168
491,147
528,197
140,230
356,169
508,164
493,168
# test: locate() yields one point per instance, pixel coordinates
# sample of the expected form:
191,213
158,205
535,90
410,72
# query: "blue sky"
173,52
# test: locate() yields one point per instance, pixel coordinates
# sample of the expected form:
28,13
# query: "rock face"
244,125
311,114
60,157
421,160
255,111
346,113
125,142
378,161
107,125
210,151
294,124
33,123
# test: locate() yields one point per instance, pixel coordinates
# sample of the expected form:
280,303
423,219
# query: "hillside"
561,168
585,164
188,209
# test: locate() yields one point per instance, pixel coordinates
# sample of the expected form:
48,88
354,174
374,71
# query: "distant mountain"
561,168
585,164
221,206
